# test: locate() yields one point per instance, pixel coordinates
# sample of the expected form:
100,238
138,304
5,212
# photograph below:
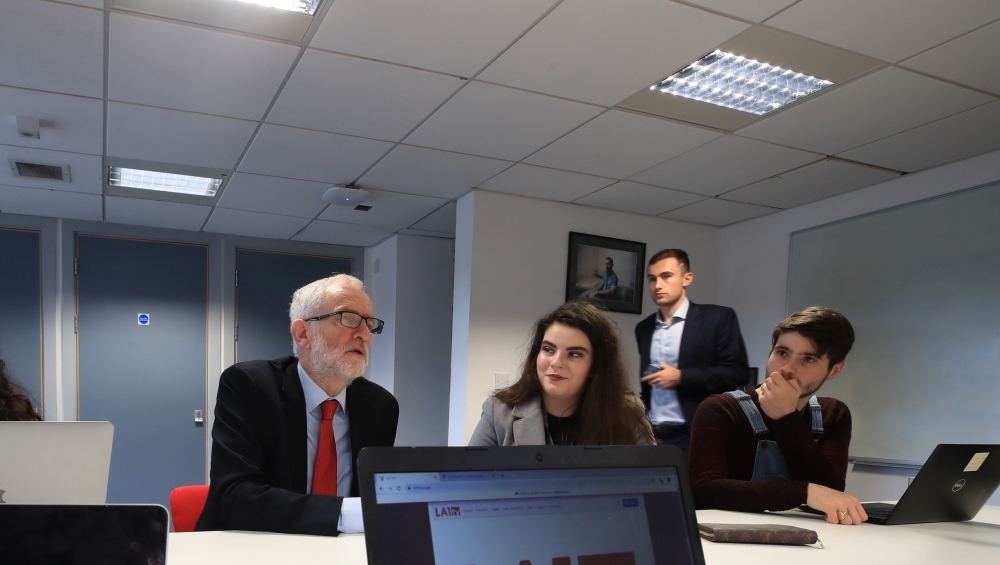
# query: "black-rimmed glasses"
352,320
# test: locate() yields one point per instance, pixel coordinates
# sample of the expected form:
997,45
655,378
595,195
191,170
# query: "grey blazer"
523,424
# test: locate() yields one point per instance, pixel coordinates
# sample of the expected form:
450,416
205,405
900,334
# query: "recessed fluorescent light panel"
307,7
163,182
735,82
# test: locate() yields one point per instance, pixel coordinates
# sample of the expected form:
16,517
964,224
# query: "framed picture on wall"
608,270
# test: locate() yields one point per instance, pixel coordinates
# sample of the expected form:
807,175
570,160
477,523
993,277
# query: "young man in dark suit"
688,351
288,431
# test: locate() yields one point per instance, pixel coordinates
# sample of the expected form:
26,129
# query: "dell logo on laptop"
958,486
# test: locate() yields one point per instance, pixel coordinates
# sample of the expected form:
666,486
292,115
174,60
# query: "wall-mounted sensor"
28,127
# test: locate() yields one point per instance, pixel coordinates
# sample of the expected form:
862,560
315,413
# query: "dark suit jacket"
258,477
712,358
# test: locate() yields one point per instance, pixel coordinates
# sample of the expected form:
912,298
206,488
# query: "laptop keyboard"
878,509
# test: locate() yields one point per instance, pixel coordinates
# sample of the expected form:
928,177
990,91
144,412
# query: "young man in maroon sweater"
776,446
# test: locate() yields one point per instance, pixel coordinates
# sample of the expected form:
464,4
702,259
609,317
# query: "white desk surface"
977,542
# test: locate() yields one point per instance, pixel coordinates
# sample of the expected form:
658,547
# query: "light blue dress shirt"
350,512
664,407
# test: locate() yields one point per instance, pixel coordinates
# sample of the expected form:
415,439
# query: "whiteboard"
921,285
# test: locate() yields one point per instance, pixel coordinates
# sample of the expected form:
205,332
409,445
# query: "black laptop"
547,505
43,534
952,486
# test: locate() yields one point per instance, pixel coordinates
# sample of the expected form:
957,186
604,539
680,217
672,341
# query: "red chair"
186,504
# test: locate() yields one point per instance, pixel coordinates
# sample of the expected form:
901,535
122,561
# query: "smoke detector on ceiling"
345,195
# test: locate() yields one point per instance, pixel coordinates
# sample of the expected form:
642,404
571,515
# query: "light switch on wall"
501,380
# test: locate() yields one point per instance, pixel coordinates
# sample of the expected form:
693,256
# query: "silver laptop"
55,462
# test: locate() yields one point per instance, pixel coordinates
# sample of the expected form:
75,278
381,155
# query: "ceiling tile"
753,10
817,181
311,155
725,164
718,212
98,4
274,195
389,210
195,69
876,106
254,224
50,46
495,121
373,99
956,137
86,171
542,182
154,213
416,170
639,198
618,144
338,233
50,203
171,136
68,123
441,221
972,59
450,36
602,52
891,30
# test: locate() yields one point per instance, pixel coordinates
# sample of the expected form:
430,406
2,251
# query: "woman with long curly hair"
14,402
573,388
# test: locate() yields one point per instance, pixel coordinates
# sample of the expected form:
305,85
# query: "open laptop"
42,534
952,486
55,462
546,505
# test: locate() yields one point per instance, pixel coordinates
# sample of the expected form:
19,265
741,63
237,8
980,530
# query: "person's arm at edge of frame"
730,372
247,501
708,467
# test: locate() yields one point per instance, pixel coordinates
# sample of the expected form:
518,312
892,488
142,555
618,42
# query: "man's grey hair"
307,300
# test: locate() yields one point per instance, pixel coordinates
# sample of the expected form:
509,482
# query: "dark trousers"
678,435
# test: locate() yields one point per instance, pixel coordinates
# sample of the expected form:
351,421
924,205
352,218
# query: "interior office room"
479,135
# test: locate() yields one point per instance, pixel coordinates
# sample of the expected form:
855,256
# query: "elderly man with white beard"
288,431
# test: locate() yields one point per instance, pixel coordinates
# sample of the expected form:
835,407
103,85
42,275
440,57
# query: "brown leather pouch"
758,533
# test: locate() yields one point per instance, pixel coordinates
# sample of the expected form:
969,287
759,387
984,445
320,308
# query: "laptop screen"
81,534
619,516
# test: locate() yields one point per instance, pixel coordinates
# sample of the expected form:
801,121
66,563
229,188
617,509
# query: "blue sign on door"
143,319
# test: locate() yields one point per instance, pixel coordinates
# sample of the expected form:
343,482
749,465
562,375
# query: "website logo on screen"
447,511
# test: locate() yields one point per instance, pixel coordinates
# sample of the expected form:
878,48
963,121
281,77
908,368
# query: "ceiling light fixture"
735,82
345,195
164,182
307,7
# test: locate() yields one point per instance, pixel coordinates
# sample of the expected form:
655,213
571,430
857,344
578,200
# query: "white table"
975,542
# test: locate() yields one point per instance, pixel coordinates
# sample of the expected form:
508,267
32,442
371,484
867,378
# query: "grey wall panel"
146,380
265,284
20,309
921,286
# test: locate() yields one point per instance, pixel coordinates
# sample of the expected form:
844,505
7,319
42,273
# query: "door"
142,317
265,282
21,309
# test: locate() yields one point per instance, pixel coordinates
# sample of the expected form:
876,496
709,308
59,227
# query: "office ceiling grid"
419,103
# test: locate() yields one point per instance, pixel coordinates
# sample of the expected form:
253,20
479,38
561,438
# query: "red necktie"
325,469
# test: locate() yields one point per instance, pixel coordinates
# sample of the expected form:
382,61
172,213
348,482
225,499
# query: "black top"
561,429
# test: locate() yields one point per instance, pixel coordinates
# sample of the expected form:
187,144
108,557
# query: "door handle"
199,417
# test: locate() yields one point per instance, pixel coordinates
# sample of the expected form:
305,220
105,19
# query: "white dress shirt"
664,407
350,512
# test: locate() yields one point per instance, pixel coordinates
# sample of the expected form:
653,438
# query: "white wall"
381,288
510,269
753,275
425,276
